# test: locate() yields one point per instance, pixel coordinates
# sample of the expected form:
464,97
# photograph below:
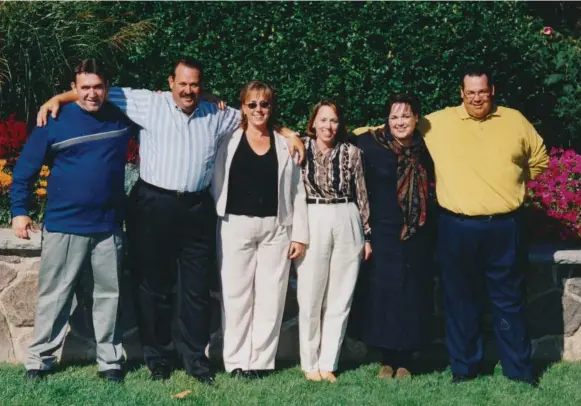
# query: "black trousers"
481,261
171,241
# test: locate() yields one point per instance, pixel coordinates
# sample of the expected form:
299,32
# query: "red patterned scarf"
412,181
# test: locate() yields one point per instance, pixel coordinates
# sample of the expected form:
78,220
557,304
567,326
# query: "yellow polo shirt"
482,165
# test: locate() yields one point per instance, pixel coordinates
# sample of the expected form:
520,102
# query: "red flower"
547,31
13,136
133,152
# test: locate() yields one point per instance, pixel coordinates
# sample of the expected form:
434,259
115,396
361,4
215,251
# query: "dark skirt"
394,296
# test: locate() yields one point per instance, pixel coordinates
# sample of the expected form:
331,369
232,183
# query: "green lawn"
78,385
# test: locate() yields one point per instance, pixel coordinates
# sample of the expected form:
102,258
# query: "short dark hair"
404,98
90,66
190,63
477,71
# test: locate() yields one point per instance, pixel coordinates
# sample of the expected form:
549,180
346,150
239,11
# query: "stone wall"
554,309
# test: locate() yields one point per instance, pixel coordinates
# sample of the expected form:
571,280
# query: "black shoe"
238,373
160,371
528,381
112,375
205,378
35,375
459,378
258,373
252,374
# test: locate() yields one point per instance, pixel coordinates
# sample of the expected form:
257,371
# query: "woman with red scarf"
395,289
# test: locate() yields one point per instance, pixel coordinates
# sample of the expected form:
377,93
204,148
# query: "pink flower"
546,200
547,32
568,195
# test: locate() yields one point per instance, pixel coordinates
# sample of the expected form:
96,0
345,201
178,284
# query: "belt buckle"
490,217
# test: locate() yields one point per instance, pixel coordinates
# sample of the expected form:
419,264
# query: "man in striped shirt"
171,220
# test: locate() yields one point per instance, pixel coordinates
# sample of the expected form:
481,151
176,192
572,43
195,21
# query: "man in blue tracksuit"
85,148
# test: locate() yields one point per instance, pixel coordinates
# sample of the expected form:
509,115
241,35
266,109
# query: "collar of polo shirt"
463,114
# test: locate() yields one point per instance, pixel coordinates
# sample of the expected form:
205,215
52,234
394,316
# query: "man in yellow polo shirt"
483,156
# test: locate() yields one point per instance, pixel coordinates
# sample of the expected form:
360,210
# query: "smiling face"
91,90
477,96
402,121
326,124
257,108
186,87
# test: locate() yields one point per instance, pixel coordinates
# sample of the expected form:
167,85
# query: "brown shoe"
329,376
313,376
403,373
385,372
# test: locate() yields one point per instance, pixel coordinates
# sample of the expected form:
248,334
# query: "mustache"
192,95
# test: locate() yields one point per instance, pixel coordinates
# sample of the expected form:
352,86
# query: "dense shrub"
355,52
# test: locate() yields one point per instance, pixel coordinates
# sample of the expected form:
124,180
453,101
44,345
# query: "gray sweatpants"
63,260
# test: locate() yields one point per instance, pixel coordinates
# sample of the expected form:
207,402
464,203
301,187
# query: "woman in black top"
395,288
260,201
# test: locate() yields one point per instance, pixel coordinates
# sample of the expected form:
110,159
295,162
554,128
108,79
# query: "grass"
79,385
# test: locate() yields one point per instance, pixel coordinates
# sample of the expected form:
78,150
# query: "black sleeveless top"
253,181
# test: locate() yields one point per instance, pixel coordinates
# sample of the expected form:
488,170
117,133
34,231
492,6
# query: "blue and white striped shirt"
176,151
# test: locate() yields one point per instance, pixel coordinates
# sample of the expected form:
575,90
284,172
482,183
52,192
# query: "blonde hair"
269,94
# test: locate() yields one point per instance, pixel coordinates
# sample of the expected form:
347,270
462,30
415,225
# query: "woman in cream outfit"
263,225
338,212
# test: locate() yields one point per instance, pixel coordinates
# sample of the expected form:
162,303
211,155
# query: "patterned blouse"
337,174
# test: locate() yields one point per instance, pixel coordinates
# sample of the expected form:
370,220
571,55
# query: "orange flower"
5,179
2,163
44,171
41,192
43,183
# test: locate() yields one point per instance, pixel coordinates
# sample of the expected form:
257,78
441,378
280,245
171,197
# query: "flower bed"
554,199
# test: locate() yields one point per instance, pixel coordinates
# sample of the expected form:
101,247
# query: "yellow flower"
41,192
5,179
2,164
44,171
43,183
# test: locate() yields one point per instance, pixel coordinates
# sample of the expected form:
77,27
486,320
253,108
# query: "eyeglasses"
263,104
483,94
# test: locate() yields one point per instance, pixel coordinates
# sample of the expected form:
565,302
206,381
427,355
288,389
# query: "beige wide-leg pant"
326,280
254,270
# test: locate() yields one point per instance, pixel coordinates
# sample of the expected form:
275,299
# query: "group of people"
218,185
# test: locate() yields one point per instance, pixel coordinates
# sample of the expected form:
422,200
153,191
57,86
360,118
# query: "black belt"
488,217
175,193
333,200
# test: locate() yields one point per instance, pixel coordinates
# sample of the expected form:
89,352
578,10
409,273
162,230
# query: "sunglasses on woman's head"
263,104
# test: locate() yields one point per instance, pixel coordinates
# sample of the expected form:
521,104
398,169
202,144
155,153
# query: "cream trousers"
254,271
326,280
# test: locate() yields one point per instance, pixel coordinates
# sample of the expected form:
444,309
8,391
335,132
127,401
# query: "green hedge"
355,52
